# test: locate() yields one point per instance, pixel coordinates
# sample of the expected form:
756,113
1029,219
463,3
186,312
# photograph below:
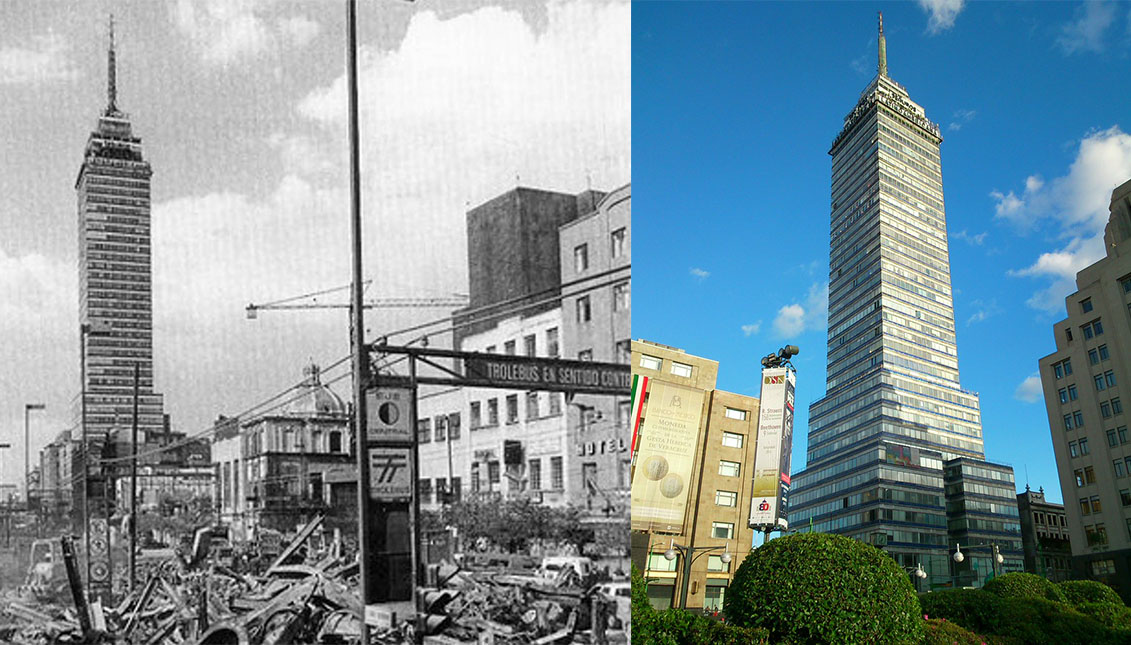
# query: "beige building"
1087,382
717,510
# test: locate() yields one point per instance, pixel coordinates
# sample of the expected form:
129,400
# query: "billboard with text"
665,457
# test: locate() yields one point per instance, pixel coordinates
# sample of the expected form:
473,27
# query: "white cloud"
961,118
1077,204
860,64
941,13
702,274
751,329
1029,390
975,240
982,310
45,60
224,31
795,318
1086,32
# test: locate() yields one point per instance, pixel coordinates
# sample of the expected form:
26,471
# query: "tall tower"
894,420
115,276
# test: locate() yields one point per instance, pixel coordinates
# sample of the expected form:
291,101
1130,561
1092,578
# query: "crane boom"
380,303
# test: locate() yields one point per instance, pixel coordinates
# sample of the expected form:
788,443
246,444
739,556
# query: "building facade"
1044,532
1085,384
715,518
894,412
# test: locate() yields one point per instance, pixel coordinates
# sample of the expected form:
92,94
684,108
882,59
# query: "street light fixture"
689,556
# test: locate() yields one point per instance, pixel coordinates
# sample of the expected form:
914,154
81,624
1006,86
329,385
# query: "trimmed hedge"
944,632
1024,585
1110,615
1081,591
823,588
678,627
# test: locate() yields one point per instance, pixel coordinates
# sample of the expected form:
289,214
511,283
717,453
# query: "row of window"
617,247
1111,407
1053,520
655,363
1089,505
1098,354
1104,381
443,427
1077,448
620,302
1062,368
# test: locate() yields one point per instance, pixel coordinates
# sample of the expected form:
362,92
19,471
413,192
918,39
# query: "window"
1068,334
1068,367
623,352
1068,422
1101,384
1063,395
1109,377
509,348
725,498
475,476
1122,430
1093,357
1089,475
1072,449
1078,418
556,475
476,414
1116,406
732,440
491,349
713,594
736,414
1072,393
512,408
584,314
492,472
620,297
585,355
1085,508
1059,370
580,258
457,489
1126,283
1119,472
531,406
555,403
1097,535
715,563
335,442
722,530
1086,305
650,362
534,473
1125,497
424,430
441,426
618,238
1103,352
492,412
1083,446
1079,474
1105,409
1096,508
679,369
453,426
624,410
657,562
424,488
441,489
552,349
729,468
1104,567
531,345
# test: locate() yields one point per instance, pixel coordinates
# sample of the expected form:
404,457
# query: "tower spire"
111,75
883,49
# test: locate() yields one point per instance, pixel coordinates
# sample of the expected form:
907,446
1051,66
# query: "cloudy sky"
737,106
241,107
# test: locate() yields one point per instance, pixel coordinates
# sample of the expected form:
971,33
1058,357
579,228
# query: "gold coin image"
655,467
671,486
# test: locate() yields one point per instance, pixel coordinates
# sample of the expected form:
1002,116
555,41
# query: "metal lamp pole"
28,407
8,515
84,329
688,553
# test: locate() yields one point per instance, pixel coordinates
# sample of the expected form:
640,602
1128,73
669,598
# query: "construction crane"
310,301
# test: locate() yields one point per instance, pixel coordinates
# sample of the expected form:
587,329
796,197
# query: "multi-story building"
894,413
714,520
596,264
1044,532
1085,381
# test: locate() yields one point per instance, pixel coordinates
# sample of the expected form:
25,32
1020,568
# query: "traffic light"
433,617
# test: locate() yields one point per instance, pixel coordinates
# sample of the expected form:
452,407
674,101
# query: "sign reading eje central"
388,415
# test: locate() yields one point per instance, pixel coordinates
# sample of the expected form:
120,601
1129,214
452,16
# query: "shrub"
1024,585
822,588
972,608
678,627
1108,614
944,632
1081,591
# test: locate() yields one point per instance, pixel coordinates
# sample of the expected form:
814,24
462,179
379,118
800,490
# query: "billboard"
769,504
665,457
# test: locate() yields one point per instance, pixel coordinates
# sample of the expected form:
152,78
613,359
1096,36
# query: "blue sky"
736,105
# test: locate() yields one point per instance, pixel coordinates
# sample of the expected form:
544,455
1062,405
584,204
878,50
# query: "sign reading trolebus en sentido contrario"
770,491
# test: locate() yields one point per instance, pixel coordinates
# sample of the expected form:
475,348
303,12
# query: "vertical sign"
665,457
770,489
388,415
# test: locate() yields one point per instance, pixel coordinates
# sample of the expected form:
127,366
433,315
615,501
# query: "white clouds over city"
812,315
1087,32
225,31
941,14
1029,390
41,60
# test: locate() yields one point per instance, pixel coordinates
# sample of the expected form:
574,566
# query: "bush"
1108,614
944,632
823,588
1081,591
972,608
1024,585
1033,621
678,627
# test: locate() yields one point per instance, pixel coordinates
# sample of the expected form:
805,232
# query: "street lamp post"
917,573
28,407
8,515
688,553
958,558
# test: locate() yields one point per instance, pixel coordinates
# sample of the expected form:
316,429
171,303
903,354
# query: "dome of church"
313,399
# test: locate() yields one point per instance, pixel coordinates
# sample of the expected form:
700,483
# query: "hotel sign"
521,372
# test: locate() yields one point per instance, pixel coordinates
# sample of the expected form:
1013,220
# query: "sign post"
769,504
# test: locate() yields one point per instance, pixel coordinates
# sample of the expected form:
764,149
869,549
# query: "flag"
639,388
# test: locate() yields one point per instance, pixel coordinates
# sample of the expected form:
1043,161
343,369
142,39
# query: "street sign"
389,415
547,374
390,474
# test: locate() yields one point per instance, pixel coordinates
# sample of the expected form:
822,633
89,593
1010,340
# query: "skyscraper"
115,277
894,413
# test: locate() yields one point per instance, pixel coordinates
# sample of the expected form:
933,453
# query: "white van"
552,567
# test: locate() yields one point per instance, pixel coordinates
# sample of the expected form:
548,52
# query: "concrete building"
1044,532
277,470
1086,382
715,517
596,263
895,413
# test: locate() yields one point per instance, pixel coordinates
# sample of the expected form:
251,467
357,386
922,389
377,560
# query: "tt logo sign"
385,468
390,474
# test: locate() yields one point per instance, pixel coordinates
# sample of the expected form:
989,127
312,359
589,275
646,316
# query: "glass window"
1103,352
1087,331
1058,370
713,594
552,348
512,408
1122,431
618,238
1099,380
1071,392
657,562
1072,448
679,369
1093,357
531,405
1089,475
453,425
493,472
733,413
1063,395
580,258
650,362
1096,508
732,440
1068,334
1085,509
1078,417
555,403
722,530
1086,305
1083,446
729,468
492,412
1125,497
1098,328
509,348
1109,377
1111,438
423,430
441,427
715,563
1117,406
725,498
620,297
1068,422
476,414
1105,410
1126,283
584,313
530,343
1079,477
1118,463
534,473
1068,367
557,477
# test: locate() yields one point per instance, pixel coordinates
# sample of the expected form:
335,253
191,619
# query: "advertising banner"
770,489
665,457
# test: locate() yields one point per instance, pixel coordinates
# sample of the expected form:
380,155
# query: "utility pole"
28,407
133,479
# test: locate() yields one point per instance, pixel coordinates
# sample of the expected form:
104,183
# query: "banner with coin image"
665,457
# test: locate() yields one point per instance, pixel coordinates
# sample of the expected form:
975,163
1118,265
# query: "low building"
982,520
714,520
1044,532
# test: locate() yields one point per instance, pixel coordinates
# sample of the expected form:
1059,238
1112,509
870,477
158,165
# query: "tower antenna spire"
111,74
883,50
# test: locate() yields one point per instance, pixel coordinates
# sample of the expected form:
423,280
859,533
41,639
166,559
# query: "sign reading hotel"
665,457
770,489
522,372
